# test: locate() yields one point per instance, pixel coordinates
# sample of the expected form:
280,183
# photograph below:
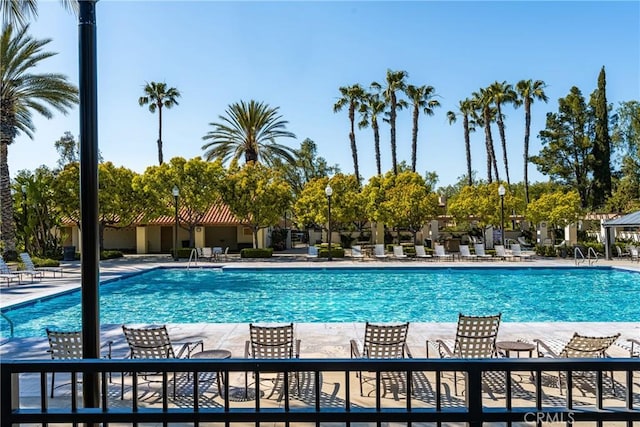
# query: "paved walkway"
318,339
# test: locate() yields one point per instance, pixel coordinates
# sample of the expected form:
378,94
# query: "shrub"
335,252
183,252
44,262
346,240
111,254
256,253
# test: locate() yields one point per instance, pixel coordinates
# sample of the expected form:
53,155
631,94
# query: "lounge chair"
356,252
271,342
475,339
421,253
480,253
523,244
501,252
466,254
378,251
441,254
634,347
30,268
398,253
68,345
154,343
312,252
635,254
7,274
383,342
579,346
516,252
621,253
206,253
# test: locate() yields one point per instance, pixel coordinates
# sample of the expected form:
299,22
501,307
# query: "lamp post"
502,191
329,191
176,194
24,215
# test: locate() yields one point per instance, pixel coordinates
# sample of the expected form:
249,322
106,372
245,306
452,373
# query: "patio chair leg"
53,380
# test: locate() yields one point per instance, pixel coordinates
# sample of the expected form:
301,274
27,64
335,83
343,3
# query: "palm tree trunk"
376,141
489,142
414,139
8,227
503,139
392,123
467,147
527,128
354,148
160,160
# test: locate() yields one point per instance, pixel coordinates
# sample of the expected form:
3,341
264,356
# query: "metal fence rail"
401,391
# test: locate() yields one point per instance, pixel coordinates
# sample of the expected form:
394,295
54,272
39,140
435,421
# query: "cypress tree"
601,145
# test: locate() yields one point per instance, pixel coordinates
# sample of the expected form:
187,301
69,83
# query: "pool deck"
321,340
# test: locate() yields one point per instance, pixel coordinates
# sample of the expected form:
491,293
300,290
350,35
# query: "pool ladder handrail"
577,251
11,324
193,256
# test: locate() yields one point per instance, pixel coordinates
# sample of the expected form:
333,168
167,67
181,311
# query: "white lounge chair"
635,254
516,252
421,253
523,244
378,251
501,252
312,252
480,253
7,274
398,252
441,254
465,253
356,252
30,268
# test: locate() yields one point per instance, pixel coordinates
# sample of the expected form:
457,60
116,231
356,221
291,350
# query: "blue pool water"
346,295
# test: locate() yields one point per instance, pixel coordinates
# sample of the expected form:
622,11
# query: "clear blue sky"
295,55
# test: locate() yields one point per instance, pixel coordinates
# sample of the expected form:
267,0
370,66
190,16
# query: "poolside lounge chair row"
30,270
441,255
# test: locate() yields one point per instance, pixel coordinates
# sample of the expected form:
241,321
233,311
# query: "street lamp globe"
175,191
502,191
328,190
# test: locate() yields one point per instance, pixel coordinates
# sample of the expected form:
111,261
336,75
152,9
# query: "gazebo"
629,220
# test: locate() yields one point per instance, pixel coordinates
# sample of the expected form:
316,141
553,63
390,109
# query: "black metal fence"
317,391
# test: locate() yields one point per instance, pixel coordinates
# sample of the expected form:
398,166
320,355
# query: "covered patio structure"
631,220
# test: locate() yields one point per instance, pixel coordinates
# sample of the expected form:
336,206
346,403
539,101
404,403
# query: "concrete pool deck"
322,340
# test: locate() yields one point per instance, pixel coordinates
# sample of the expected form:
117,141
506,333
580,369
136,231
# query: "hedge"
335,252
256,253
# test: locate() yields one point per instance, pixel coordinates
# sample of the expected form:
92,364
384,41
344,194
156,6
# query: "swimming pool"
345,295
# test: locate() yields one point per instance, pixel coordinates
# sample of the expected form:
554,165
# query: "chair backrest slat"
580,346
65,345
149,343
385,341
476,336
271,342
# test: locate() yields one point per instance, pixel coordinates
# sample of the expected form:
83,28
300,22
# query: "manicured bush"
183,252
256,253
43,262
111,254
335,252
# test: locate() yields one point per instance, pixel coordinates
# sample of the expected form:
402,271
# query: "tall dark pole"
90,268
24,216
329,191
176,194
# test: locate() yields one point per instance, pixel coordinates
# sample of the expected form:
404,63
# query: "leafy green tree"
69,150
21,93
395,82
528,92
371,108
480,203
39,215
352,97
567,147
401,201
257,196
199,183
307,166
559,208
465,109
626,137
626,130
249,130
420,97
601,153
502,93
159,96
119,203
482,101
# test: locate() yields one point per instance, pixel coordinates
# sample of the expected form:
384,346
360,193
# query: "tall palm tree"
466,109
529,91
420,97
371,109
395,81
157,95
22,93
353,97
249,130
503,93
18,12
482,102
